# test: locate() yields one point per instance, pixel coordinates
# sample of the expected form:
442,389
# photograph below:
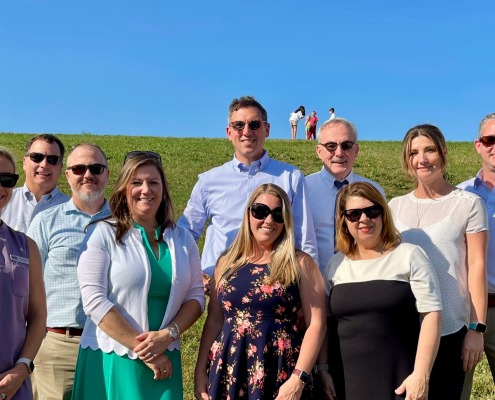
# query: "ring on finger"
148,354
3,395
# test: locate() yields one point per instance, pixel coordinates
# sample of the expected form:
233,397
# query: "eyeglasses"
353,215
8,180
487,141
80,169
38,158
332,146
262,211
137,153
253,125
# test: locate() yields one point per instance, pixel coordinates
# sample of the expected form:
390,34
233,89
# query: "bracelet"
320,367
176,327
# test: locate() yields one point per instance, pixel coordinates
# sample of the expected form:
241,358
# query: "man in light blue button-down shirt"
59,232
220,195
42,164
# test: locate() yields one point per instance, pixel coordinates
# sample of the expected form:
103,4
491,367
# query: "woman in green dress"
141,286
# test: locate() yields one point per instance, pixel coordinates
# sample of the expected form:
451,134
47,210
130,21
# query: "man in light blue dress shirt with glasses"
59,232
220,195
42,164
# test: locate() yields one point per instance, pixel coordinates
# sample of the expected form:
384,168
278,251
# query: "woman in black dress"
378,289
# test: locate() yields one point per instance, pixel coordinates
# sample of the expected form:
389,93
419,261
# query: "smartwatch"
478,327
303,376
26,361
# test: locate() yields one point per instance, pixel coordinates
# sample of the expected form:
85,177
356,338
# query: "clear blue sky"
171,68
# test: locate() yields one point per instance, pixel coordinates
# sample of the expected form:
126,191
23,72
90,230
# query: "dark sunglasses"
332,146
487,141
38,157
80,169
8,180
354,214
253,125
137,153
262,211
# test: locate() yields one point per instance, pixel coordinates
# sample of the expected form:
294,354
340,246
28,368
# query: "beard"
88,197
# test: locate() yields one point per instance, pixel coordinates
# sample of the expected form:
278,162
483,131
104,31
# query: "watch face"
481,328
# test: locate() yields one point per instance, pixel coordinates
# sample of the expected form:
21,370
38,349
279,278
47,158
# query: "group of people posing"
310,123
318,288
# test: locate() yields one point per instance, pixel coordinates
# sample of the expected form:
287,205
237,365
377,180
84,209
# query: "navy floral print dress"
258,346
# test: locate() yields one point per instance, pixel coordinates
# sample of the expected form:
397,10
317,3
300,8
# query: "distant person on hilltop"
331,111
221,194
42,164
313,121
483,185
294,119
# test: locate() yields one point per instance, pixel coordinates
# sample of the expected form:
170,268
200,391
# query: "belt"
491,300
66,331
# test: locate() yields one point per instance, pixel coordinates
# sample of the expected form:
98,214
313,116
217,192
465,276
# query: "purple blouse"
14,300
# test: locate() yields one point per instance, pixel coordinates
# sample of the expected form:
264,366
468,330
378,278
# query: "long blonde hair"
284,266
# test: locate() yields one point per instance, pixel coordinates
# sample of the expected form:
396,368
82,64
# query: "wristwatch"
478,327
28,363
172,331
303,376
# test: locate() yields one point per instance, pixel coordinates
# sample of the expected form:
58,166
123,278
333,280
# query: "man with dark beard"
59,232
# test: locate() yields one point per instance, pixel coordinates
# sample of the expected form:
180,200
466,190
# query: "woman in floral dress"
251,347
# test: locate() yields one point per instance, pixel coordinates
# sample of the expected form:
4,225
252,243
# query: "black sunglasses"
8,180
487,141
80,169
253,125
262,211
137,153
332,146
354,214
38,157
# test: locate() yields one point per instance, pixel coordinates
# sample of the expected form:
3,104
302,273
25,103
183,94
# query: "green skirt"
112,377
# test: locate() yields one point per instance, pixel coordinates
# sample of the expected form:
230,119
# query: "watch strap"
27,362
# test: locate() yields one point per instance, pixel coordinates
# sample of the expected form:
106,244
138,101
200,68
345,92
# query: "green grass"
184,159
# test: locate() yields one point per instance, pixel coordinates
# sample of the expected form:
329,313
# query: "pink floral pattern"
258,346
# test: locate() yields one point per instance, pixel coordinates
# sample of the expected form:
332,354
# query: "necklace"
419,216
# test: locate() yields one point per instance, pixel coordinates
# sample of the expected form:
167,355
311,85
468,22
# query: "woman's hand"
161,366
415,386
291,389
328,385
152,344
472,350
201,385
11,380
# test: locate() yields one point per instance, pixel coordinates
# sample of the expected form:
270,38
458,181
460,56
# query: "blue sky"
171,68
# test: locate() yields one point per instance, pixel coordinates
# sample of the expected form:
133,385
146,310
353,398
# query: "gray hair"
338,121
484,121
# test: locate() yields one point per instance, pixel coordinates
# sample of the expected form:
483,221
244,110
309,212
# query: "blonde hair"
4,152
284,266
345,242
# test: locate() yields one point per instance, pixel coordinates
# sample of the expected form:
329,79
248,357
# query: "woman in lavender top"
22,298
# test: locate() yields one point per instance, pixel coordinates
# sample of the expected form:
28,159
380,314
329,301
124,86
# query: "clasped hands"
151,351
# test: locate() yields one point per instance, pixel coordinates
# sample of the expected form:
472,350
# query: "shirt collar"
330,179
478,180
72,209
257,165
48,196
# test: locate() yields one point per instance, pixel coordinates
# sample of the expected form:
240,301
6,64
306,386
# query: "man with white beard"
59,232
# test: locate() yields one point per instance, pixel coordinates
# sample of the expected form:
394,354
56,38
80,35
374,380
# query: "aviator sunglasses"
80,169
487,141
8,180
262,211
253,125
137,153
354,214
38,158
332,146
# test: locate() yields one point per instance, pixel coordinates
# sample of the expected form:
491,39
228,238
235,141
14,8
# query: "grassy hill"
184,159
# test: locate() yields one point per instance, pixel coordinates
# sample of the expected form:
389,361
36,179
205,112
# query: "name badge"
19,259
